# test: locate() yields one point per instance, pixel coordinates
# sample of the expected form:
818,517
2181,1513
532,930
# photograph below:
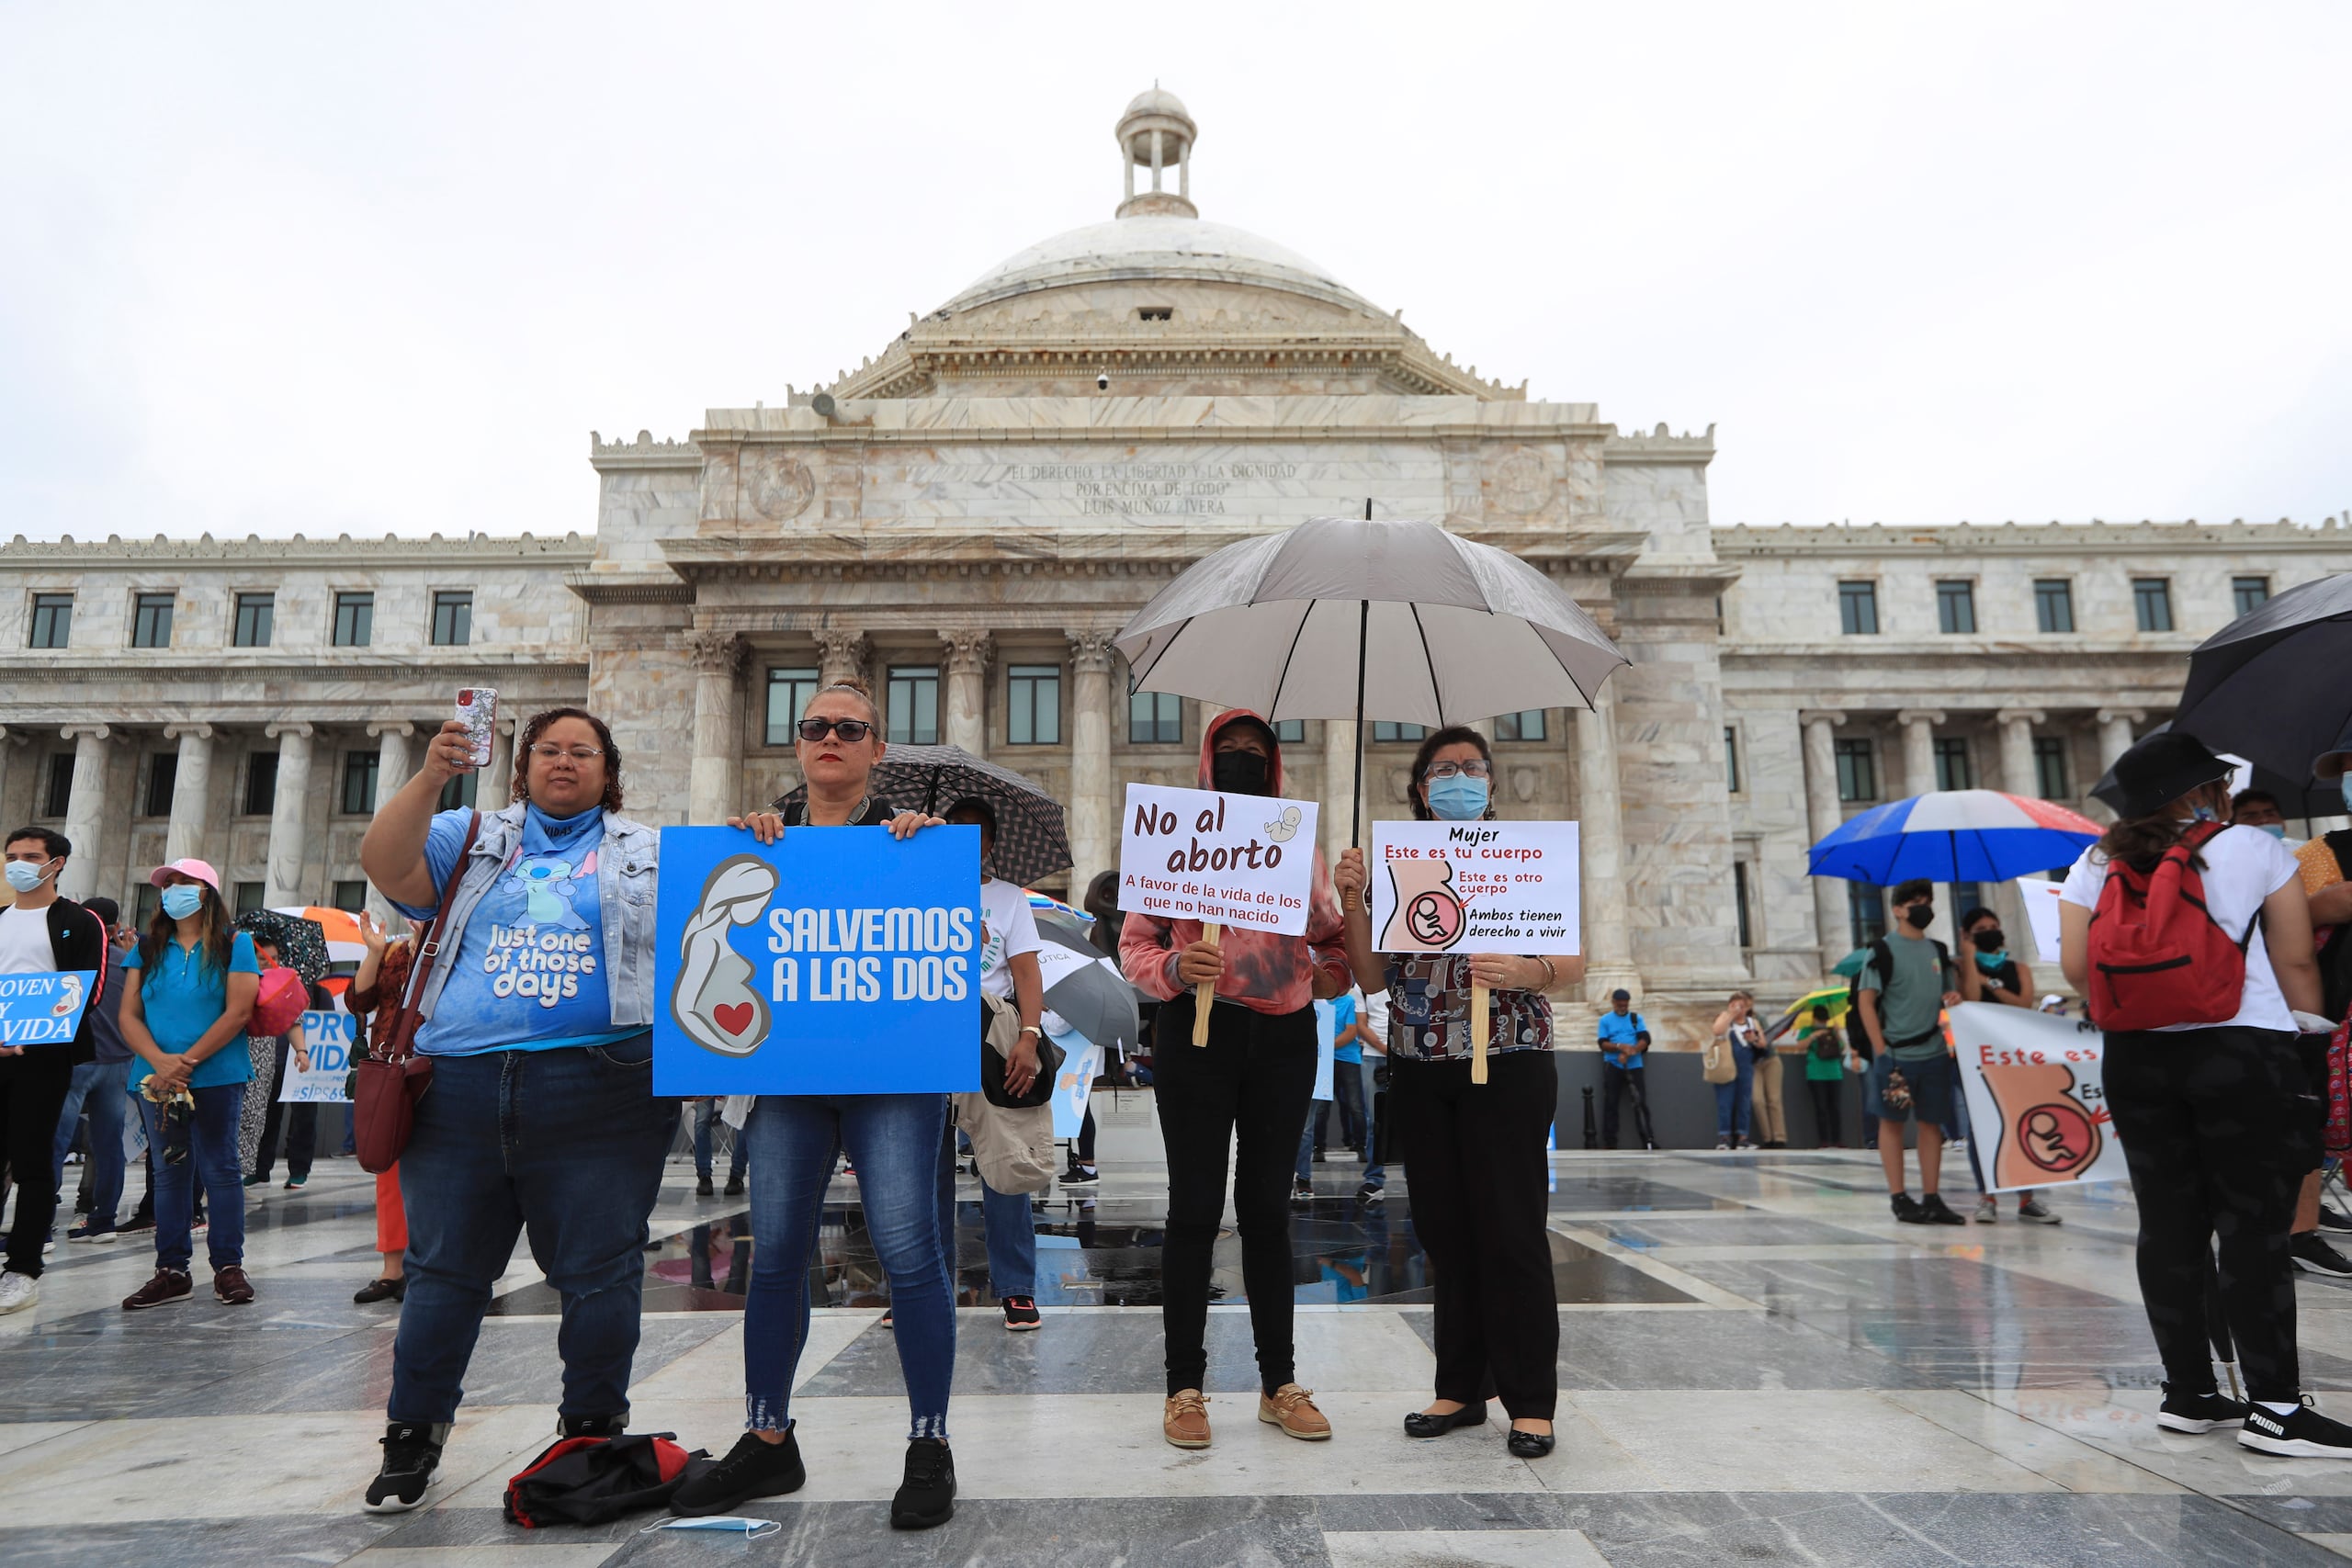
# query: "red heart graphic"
734,1018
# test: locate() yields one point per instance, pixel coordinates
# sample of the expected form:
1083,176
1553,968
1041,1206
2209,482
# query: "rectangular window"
1033,712
352,896
255,614
453,619
789,690
355,620
1857,609
1857,771
1731,758
1526,724
52,620
2050,767
1155,718
913,704
2152,601
1952,770
359,782
1956,608
2249,594
163,773
1382,730
261,784
2053,604
248,895
459,793
1290,731
1739,902
57,795
151,620
150,898
1865,912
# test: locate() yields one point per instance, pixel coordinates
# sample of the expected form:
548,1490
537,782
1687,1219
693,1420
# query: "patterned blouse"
1429,1012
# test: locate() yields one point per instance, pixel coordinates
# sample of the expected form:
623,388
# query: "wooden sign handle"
1204,994
1478,1028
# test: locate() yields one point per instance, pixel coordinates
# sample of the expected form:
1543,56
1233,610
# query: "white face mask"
754,1529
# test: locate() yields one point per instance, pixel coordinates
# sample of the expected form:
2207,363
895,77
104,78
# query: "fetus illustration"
714,1001
1285,826
2046,1130
68,995
1428,915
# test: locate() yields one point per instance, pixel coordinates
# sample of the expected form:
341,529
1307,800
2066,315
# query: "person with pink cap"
189,987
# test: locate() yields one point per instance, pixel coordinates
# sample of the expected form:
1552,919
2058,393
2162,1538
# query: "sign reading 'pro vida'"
835,961
1201,855
1476,887
330,1035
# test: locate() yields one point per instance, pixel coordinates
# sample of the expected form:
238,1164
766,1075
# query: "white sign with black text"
1476,887
1198,854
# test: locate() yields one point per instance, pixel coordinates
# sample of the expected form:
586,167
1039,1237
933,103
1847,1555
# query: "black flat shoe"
1422,1424
1530,1445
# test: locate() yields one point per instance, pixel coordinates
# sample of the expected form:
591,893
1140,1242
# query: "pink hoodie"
1263,972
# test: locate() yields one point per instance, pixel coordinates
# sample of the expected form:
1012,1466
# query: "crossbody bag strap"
405,1022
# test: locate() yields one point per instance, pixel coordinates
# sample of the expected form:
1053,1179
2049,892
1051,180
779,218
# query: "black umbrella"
2269,686
1032,843
2294,799
301,942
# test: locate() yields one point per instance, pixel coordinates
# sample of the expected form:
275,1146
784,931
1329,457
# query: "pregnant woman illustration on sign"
714,1001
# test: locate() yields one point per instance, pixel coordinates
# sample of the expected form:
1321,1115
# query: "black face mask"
1922,916
1239,773
1991,940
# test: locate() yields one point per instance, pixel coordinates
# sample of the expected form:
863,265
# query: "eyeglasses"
548,754
850,729
1471,769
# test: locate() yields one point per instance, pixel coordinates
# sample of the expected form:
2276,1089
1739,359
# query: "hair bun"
850,683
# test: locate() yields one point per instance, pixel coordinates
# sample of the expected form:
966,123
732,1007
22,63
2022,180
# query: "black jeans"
1476,1172
1829,1113
1616,1083
301,1125
2217,1136
32,1096
1254,1078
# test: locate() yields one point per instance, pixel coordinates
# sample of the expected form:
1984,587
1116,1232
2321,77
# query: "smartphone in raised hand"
478,711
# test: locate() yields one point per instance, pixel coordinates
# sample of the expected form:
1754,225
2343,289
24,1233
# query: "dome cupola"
1157,134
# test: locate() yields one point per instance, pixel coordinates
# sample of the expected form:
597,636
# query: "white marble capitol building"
967,517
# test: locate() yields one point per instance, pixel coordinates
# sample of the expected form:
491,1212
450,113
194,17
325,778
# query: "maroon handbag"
391,1079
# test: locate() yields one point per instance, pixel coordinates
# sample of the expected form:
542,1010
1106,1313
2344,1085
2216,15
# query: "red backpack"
2158,956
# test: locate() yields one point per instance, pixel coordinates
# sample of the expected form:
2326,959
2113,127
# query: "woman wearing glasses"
542,1116
1474,1153
893,1141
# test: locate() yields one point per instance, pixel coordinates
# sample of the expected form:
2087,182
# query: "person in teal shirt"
1625,1042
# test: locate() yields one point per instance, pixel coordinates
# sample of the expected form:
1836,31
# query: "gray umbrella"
1031,841
1339,616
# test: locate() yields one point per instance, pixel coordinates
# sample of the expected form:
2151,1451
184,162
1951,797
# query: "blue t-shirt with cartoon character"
528,971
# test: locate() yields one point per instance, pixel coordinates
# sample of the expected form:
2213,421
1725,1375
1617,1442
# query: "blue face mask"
1458,799
181,900
2276,829
753,1530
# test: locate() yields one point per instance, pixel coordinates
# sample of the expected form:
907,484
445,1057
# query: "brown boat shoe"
1185,1421
1291,1408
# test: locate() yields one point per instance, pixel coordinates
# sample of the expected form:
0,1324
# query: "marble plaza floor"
1757,1365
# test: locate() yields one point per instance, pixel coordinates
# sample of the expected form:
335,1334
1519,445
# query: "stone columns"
1092,844
1919,777
85,811
391,772
11,742
1338,774
718,757
841,656
1823,814
2115,733
494,791
2018,773
289,818
1608,930
191,791
967,668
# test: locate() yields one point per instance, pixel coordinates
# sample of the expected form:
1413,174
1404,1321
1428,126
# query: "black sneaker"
1906,1209
410,1454
2198,1412
1933,1211
703,1189
2332,1218
927,1496
592,1426
1368,1193
751,1469
2313,1256
1081,1176
1020,1314
1301,1192
734,1187
2306,1434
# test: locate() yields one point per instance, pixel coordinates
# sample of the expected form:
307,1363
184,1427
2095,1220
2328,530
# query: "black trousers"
32,1096
2217,1136
1476,1172
1616,1083
1828,1111
1251,1080
301,1125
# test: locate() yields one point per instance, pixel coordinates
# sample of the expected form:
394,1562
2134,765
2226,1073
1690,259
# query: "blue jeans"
1305,1168
564,1145
211,1159
1732,1099
1376,1174
100,1086
893,1141
705,1112
1347,1090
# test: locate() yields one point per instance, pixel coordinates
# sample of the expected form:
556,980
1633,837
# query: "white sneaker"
17,1291
1988,1212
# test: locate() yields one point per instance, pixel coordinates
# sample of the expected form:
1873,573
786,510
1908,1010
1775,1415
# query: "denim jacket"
625,875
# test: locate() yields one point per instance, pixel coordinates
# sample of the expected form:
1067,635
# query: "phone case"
478,710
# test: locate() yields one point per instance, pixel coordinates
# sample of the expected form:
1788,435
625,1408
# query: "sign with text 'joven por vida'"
835,961
1202,854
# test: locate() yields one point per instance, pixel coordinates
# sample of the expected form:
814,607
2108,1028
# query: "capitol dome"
1156,248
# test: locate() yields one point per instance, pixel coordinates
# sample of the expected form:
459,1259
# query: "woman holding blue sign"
893,1139
1475,1154
541,1117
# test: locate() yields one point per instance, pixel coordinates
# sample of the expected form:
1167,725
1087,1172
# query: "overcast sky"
330,268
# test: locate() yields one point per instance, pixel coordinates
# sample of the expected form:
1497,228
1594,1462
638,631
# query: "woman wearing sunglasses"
794,1140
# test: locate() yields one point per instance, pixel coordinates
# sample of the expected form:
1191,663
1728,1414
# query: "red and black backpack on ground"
2158,956
586,1481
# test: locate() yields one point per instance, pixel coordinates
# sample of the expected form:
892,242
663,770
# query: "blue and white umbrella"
1955,835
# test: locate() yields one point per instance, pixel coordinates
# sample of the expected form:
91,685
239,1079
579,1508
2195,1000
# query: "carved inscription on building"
943,484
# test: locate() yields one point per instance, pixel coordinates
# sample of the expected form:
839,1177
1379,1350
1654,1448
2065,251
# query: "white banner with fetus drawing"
1476,886
2037,1103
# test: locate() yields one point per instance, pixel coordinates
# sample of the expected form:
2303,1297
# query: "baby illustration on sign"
714,1002
2047,1133
1428,915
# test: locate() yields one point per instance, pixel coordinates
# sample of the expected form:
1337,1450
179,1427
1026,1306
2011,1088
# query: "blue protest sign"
329,1034
835,961
44,1009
